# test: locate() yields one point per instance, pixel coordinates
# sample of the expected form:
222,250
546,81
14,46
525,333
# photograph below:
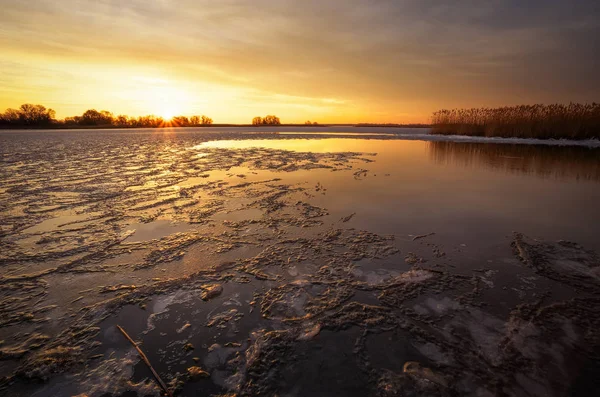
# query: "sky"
331,61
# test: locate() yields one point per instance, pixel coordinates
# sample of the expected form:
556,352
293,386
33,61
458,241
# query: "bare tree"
271,120
121,120
94,117
180,121
10,116
35,114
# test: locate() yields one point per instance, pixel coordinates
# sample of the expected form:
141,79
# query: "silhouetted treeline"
104,118
572,121
37,116
267,120
28,115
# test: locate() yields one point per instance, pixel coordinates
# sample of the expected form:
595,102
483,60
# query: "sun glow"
161,97
167,114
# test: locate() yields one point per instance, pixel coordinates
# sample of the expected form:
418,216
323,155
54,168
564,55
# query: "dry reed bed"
572,121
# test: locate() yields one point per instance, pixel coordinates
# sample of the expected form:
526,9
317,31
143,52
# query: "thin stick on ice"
145,359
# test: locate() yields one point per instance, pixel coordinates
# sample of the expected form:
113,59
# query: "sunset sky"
327,60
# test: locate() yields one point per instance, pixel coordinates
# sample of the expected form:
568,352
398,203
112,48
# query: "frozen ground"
262,264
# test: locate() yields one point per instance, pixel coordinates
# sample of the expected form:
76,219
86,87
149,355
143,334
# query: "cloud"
418,54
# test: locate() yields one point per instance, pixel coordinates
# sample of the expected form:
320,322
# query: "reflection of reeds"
572,121
546,161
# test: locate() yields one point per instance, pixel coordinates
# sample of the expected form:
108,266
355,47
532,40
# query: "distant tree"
28,115
10,116
90,117
150,121
180,121
133,122
158,121
107,117
315,123
194,120
35,114
308,122
267,120
271,120
94,117
72,120
206,120
121,120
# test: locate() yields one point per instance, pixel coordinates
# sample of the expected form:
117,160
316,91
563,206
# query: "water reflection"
313,145
544,161
578,163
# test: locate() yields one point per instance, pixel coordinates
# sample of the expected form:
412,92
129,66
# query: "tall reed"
572,121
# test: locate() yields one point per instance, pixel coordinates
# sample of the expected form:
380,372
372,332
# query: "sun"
167,114
160,97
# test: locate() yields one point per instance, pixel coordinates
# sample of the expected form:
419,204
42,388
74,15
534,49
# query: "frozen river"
345,261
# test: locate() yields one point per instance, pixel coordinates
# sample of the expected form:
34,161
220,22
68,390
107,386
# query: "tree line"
28,115
38,116
267,120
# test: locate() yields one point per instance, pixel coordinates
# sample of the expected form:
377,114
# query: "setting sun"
161,97
167,114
